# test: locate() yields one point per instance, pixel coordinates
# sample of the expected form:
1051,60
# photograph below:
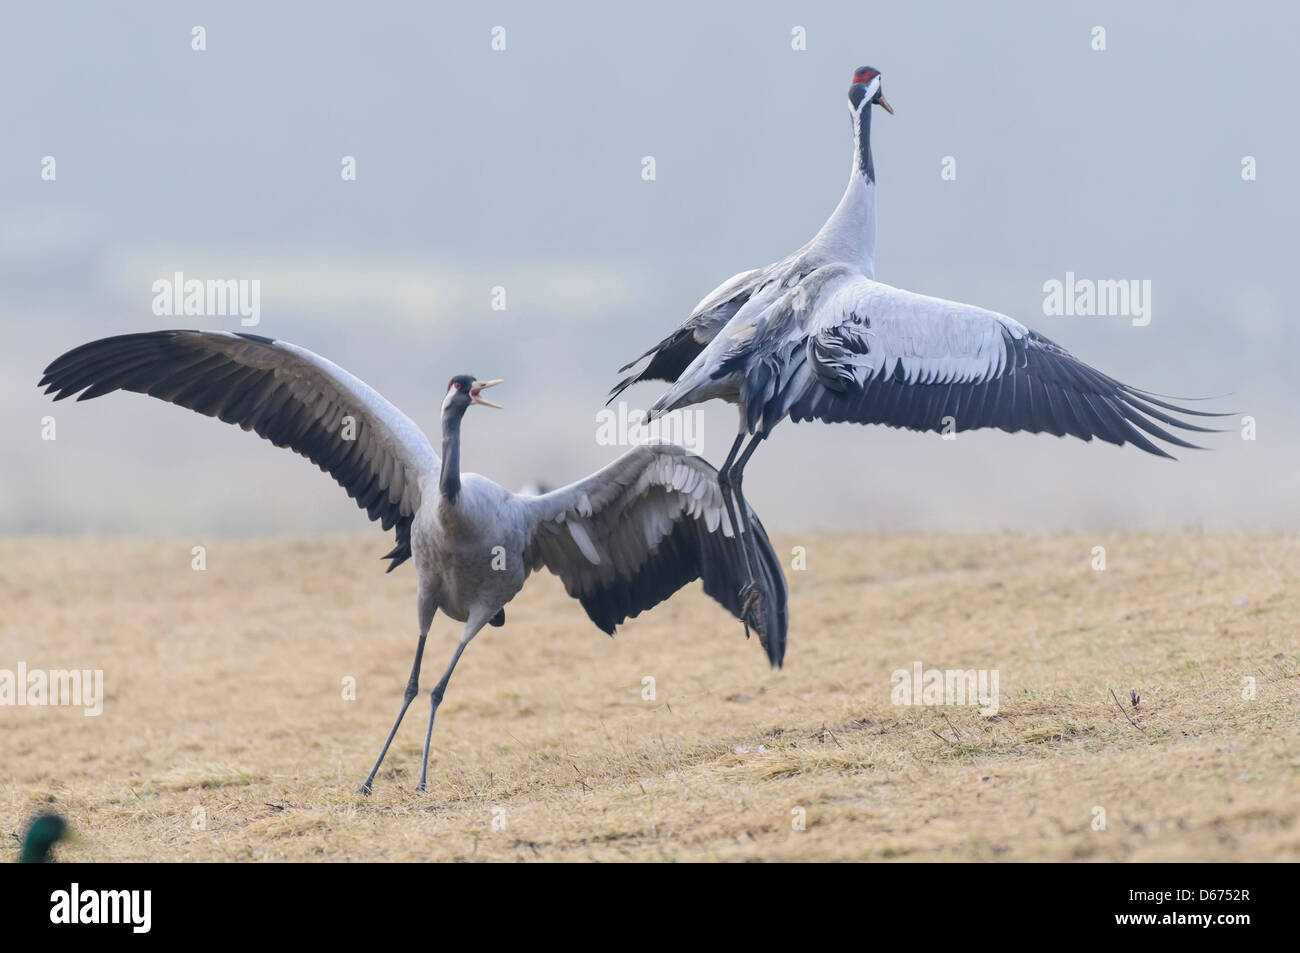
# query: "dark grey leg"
752,594
427,609
472,627
728,493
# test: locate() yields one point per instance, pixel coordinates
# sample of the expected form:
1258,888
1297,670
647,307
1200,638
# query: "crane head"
464,389
866,86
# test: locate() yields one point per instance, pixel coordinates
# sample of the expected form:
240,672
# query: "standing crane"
622,540
815,337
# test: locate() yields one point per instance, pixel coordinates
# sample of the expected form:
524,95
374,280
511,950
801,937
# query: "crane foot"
751,607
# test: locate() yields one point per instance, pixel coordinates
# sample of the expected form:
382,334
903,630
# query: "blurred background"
522,168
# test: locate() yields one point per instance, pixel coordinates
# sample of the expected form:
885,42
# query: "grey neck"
849,235
862,144
449,478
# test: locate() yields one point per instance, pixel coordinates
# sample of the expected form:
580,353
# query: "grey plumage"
622,540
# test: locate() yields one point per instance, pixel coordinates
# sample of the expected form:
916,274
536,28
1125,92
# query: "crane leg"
752,594
729,478
728,499
472,626
427,609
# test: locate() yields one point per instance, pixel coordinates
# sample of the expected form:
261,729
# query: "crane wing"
870,353
285,393
630,535
675,353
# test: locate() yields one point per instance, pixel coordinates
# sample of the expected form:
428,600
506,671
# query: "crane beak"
480,385
884,103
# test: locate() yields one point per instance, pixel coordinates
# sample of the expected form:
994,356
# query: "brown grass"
224,692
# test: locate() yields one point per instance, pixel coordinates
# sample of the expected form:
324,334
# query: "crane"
622,540
815,337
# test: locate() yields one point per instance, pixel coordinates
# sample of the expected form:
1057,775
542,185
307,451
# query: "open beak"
481,385
884,103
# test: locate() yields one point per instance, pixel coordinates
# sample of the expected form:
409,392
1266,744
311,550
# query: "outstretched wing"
287,394
675,353
874,354
629,536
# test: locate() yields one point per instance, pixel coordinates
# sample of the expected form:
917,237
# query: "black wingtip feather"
199,371
1042,389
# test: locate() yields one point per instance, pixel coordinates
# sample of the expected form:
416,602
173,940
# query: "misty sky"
522,169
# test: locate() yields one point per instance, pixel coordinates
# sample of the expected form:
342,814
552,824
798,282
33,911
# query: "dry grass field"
226,736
